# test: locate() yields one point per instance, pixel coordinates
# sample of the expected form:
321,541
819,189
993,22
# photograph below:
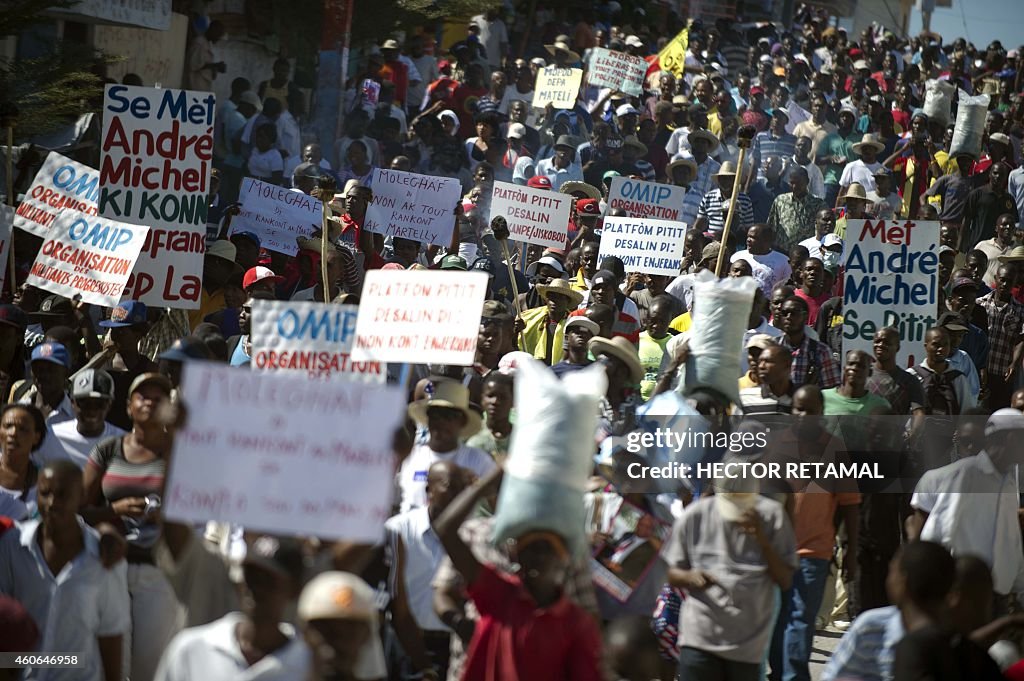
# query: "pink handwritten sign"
284,454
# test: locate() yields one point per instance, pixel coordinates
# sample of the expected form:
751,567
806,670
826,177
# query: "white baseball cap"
1004,419
634,41
516,130
337,595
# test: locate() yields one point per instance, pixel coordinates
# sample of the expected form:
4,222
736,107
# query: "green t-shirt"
651,351
835,145
846,416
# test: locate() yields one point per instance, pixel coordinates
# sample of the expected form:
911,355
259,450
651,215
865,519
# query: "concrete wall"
156,56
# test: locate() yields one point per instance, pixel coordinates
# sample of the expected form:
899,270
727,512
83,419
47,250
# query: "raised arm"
447,525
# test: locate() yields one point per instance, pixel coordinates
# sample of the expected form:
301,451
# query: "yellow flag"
673,57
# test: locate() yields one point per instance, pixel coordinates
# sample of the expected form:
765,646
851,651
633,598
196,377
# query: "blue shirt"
866,652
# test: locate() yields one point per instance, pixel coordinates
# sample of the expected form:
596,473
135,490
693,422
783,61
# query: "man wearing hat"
92,393
862,171
773,393
714,206
856,202
583,222
773,143
128,325
701,144
562,166
578,332
544,327
885,203
564,55
958,327
218,266
624,371
448,418
836,150
47,389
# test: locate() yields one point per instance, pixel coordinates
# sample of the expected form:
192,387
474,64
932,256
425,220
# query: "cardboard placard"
536,216
276,215
892,279
640,199
424,317
87,255
635,540
284,454
648,246
307,338
413,206
558,87
618,71
155,159
60,185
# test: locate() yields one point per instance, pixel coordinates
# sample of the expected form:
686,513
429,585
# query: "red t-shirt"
517,641
463,103
813,304
350,233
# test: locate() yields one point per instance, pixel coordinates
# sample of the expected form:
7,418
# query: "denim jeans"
700,665
794,631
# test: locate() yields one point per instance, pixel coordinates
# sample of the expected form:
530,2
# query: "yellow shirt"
747,381
681,323
208,304
535,335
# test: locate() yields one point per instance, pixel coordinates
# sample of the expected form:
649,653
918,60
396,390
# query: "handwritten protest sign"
648,246
309,338
284,454
87,255
639,199
617,70
418,316
413,206
535,216
556,86
60,185
276,215
891,270
155,156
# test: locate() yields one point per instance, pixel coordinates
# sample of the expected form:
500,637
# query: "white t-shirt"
860,172
769,269
65,442
265,163
412,477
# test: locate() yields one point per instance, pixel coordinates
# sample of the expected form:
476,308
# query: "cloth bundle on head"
971,115
938,100
720,314
551,453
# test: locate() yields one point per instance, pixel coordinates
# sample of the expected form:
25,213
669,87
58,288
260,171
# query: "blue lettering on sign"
88,184
173,104
647,192
336,326
98,235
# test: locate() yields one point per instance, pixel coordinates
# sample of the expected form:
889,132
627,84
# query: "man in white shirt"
50,365
862,171
970,506
91,396
493,35
769,267
255,643
52,566
562,166
446,414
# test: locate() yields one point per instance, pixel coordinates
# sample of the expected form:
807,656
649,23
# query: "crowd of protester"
924,577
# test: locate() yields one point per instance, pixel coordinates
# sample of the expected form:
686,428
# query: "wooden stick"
515,288
11,273
324,227
732,210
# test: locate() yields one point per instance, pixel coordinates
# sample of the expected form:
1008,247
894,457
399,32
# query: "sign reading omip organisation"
155,160
535,216
413,206
892,279
419,316
61,185
640,199
309,338
648,246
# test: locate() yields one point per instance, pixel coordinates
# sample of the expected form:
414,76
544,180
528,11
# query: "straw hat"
562,43
1016,255
683,162
452,395
728,169
705,135
855,191
622,350
869,140
561,287
588,190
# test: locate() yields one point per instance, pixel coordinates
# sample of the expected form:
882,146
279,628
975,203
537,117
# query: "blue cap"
52,352
251,236
127,313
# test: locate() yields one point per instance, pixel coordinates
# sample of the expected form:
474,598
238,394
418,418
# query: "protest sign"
558,87
413,206
284,454
155,156
639,199
635,540
309,338
87,255
535,216
618,71
648,246
60,185
891,270
276,215
425,317
672,57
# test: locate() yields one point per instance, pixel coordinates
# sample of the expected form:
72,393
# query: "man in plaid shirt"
812,360
1005,335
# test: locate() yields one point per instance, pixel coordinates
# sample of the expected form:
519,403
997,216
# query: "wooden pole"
515,288
11,273
743,144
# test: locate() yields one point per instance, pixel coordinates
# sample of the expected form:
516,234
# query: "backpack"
940,396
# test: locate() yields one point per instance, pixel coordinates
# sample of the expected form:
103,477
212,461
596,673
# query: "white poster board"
309,339
60,185
156,153
640,199
536,216
617,71
284,454
276,215
425,317
413,206
891,279
558,87
87,256
648,246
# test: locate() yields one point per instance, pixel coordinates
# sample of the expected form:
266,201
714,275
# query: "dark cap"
185,349
12,315
953,322
150,378
483,265
604,277
54,306
495,309
282,555
127,313
565,141
92,383
964,281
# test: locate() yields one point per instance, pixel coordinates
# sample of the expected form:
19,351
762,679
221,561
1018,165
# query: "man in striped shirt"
715,205
774,394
